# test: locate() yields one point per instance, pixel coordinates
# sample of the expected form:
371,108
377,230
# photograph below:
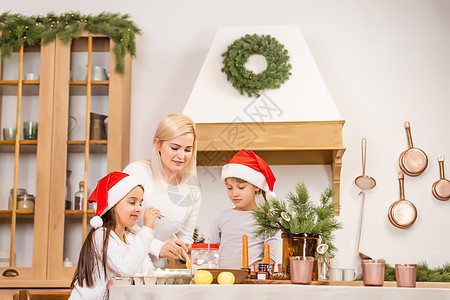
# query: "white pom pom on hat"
248,166
108,192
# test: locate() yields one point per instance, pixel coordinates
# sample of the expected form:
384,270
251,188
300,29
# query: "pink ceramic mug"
406,275
301,269
373,272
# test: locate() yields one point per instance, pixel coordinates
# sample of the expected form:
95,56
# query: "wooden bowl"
239,274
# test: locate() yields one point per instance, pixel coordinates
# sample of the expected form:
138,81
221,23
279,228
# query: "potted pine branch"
302,224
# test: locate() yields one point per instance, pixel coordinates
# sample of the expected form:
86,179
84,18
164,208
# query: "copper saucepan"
441,188
364,182
412,161
402,213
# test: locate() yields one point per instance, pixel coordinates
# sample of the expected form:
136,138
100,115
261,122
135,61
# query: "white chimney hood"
298,123
303,97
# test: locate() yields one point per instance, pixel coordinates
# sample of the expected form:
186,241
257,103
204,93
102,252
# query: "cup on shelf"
349,274
301,269
9,134
31,76
336,274
406,275
373,272
30,130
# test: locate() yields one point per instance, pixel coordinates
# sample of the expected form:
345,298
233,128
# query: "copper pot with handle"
402,213
412,161
441,187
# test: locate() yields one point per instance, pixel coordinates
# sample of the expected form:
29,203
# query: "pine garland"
18,30
245,81
299,215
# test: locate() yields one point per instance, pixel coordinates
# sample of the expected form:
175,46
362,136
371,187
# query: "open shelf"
95,146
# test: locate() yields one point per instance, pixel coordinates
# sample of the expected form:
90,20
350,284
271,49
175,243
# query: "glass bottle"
79,196
263,272
67,194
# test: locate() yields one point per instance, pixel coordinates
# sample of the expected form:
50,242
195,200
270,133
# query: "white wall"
383,61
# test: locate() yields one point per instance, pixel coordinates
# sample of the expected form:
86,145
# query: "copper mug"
97,128
373,272
301,269
406,275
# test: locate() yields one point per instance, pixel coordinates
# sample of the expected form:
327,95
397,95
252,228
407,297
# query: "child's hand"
172,248
150,215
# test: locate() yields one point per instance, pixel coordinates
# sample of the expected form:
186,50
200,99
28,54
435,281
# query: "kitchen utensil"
412,161
441,188
97,128
402,213
184,254
184,229
364,182
361,255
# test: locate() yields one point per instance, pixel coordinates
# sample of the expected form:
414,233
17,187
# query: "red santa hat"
248,166
109,191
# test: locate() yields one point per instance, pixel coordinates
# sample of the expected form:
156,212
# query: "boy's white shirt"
124,259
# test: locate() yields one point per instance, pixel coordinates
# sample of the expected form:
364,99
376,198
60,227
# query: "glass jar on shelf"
25,202
20,191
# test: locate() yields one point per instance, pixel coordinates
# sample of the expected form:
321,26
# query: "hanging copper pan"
364,182
413,161
441,188
402,213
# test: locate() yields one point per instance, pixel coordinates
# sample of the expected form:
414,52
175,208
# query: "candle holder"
301,269
373,272
406,275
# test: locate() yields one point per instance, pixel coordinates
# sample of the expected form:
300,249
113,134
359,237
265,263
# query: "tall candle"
266,253
244,251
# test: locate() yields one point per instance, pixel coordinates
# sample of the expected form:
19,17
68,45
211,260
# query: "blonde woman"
170,185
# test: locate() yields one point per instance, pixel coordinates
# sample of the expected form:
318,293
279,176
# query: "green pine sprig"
18,30
297,214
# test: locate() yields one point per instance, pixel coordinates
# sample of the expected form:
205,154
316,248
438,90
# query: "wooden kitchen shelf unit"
50,152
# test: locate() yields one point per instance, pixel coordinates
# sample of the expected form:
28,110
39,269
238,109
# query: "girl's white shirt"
179,203
124,259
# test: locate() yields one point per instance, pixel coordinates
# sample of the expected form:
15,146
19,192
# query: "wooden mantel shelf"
278,143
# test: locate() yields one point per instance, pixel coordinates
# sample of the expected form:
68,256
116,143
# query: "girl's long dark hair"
88,260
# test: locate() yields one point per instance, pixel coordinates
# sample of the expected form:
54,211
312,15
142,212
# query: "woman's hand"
172,248
150,215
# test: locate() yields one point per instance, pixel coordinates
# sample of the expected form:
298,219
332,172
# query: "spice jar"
263,272
25,202
204,256
20,191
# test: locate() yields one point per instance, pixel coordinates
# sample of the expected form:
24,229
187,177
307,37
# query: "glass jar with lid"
25,202
20,191
204,256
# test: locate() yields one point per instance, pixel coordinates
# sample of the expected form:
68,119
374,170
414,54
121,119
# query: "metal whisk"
184,229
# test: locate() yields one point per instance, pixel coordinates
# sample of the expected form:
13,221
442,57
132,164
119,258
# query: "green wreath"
245,81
